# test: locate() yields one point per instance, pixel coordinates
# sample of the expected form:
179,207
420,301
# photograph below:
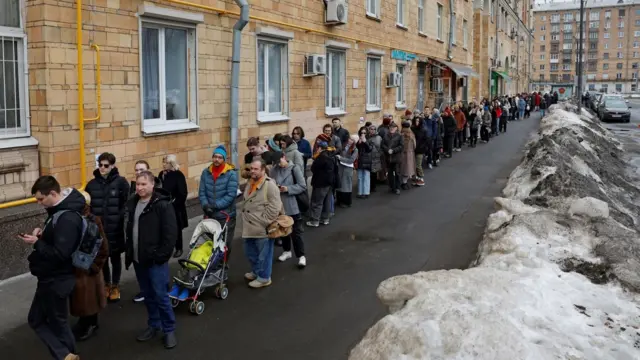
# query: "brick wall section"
113,25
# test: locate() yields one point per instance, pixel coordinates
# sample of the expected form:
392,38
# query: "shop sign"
401,55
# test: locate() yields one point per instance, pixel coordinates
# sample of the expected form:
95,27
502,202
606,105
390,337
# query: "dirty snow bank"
554,271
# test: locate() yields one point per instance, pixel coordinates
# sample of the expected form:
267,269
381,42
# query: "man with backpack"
51,262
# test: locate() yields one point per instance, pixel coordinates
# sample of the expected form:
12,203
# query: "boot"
114,295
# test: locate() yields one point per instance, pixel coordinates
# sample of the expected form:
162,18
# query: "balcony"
555,31
555,41
567,51
555,21
553,61
554,70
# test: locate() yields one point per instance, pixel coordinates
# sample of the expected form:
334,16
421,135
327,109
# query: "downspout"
235,76
451,20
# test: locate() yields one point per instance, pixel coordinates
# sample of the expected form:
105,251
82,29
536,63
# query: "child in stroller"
204,268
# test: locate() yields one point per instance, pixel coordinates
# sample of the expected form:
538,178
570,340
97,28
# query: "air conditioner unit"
436,85
394,79
336,12
314,65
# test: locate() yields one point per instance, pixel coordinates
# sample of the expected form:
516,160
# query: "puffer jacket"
375,142
431,126
323,171
365,160
294,156
157,230
109,196
220,195
420,133
486,118
291,177
450,124
392,142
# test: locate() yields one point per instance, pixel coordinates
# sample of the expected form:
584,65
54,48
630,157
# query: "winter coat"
431,126
305,148
438,140
365,158
343,135
537,99
291,177
323,170
348,156
176,184
522,104
450,124
157,230
108,199
51,255
336,142
375,142
408,167
220,194
544,102
421,139
383,130
487,118
477,119
461,120
294,156
132,186
392,142
89,296
260,209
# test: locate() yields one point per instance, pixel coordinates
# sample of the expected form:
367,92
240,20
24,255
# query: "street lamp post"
579,67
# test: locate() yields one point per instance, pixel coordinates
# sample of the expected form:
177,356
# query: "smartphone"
22,234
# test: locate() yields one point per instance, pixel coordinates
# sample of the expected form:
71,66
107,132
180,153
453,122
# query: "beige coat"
260,209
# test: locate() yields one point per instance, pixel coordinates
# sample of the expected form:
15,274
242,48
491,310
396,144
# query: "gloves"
390,151
208,211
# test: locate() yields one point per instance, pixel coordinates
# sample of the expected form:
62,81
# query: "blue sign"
401,55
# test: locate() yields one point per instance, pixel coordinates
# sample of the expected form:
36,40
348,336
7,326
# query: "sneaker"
302,262
285,256
397,192
114,295
257,284
250,276
430,166
72,357
148,334
420,182
107,290
138,298
325,222
313,223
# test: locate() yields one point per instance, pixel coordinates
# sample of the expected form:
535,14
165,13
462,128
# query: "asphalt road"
323,311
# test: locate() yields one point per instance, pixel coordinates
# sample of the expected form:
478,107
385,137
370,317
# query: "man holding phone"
51,263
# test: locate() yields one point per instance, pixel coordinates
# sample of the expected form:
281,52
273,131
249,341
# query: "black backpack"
91,240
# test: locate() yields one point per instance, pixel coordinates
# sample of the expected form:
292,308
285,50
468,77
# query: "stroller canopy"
210,228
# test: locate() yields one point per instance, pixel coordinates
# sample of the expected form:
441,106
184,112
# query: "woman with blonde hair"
174,182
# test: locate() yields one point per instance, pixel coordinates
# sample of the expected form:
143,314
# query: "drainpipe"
451,19
235,76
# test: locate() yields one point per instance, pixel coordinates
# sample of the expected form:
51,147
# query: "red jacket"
461,120
537,99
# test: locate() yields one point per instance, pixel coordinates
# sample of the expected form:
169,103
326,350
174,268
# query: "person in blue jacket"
218,191
522,104
303,145
431,124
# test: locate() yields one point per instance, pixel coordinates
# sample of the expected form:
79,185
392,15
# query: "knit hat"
322,144
272,144
221,151
406,124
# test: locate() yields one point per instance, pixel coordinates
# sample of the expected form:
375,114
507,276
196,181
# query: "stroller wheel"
199,307
222,292
175,302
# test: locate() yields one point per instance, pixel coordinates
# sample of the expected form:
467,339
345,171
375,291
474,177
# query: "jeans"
320,203
49,316
295,236
521,113
259,252
458,139
364,182
154,286
419,170
116,265
393,176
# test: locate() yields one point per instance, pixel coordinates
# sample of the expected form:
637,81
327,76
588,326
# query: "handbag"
303,198
283,226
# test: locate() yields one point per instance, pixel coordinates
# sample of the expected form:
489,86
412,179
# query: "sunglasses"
104,165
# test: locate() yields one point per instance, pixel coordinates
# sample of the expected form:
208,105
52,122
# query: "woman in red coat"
537,101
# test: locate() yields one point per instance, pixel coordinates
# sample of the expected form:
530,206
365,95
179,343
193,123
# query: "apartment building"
611,45
503,44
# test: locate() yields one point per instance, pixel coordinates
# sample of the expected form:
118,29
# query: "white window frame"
541,56
421,6
22,79
607,35
620,55
373,5
400,13
401,100
619,86
542,38
594,15
342,109
266,116
543,18
162,125
465,33
453,29
620,34
370,107
440,19
636,33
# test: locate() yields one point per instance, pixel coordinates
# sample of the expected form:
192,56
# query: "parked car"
593,101
614,108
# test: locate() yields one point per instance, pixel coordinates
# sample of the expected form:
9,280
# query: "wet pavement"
322,311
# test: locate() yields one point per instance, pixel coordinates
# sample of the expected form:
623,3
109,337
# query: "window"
635,54
636,44
13,90
542,47
607,24
618,87
593,46
621,12
542,38
554,67
566,46
594,15
541,77
607,14
465,33
273,78
634,87
541,67
568,27
168,77
554,56
637,22
566,67
554,37
605,66
606,35
373,83
592,87
421,15
618,76
636,33
555,18
634,65
554,77
568,17
543,28
373,8
591,77
440,10
621,24
594,24
555,28
543,18
593,35
606,45
453,29
335,82
638,12
634,75
568,37
620,55
400,99
605,56
621,34
566,77
619,66
604,87
541,56
619,45
400,12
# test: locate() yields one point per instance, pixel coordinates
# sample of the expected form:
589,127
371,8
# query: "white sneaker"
285,256
302,262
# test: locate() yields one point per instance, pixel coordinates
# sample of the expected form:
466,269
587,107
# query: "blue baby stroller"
205,267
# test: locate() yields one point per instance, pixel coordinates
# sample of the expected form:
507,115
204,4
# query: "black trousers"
458,139
49,316
295,237
373,182
179,240
503,124
112,274
448,143
484,133
343,198
393,175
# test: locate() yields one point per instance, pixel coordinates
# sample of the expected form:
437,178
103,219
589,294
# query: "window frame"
342,110
421,6
19,35
439,21
374,15
283,115
401,12
465,34
453,29
401,98
162,125
378,105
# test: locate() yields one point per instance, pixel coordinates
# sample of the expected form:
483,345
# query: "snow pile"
556,271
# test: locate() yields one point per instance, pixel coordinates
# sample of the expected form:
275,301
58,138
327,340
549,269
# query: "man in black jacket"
340,132
51,263
392,145
322,181
109,193
151,235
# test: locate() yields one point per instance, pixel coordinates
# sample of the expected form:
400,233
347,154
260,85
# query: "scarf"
254,185
217,170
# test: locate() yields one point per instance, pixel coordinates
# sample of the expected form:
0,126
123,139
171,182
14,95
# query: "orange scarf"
253,185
